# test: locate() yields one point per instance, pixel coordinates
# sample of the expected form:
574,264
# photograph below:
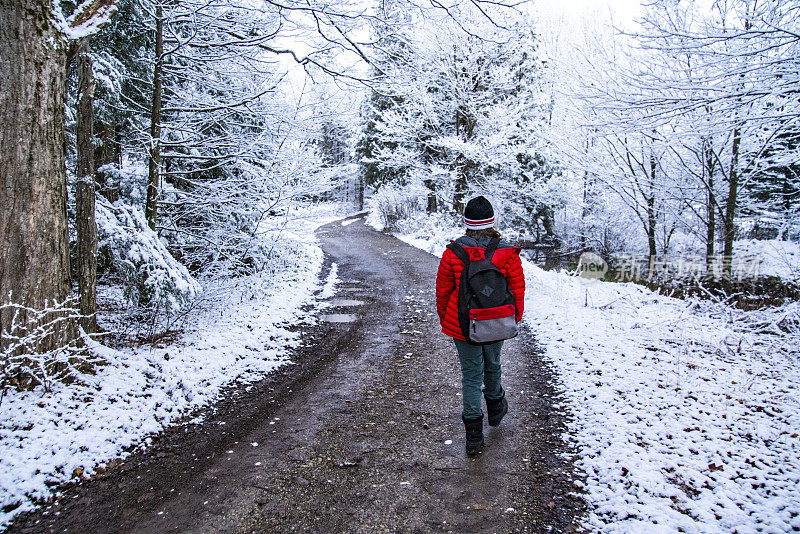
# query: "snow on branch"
88,18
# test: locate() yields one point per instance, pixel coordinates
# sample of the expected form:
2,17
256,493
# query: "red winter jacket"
506,258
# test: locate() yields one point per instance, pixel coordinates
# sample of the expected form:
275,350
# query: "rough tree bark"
85,224
34,254
150,210
34,244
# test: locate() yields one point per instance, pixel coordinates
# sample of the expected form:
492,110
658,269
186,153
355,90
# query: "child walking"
480,363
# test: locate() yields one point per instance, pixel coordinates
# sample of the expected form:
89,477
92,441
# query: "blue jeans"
479,365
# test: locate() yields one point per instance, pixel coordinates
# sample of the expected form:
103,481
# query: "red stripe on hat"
476,222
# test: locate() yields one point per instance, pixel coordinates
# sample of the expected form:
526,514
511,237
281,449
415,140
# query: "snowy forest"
178,178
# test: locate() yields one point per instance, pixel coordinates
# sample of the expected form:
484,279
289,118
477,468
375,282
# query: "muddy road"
361,434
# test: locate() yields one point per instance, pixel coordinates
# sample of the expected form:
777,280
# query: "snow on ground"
238,334
684,417
686,414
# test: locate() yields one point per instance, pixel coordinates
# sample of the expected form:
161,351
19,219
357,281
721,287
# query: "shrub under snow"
394,203
152,277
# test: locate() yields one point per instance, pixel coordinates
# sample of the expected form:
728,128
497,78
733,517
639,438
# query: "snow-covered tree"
460,112
710,86
738,86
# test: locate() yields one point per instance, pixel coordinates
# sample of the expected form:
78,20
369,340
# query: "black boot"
474,428
497,408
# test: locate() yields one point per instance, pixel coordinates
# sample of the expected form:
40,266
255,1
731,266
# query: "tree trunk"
730,206
361,187
34,246
585,208
432,202
85,224
150,209
729,225
460,185
711,210
651,212
651,229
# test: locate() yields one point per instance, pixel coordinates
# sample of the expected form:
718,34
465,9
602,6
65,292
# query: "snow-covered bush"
211,219
129,248
775,257
393,203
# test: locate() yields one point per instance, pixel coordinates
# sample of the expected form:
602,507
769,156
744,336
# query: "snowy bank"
239,334
686,413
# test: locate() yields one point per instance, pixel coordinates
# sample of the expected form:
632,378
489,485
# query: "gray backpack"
486,306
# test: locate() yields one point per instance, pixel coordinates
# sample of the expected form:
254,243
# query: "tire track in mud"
361,434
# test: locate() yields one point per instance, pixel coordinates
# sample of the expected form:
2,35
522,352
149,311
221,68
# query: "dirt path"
355,437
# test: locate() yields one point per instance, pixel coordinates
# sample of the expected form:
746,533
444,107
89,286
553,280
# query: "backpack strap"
460,253
490,250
